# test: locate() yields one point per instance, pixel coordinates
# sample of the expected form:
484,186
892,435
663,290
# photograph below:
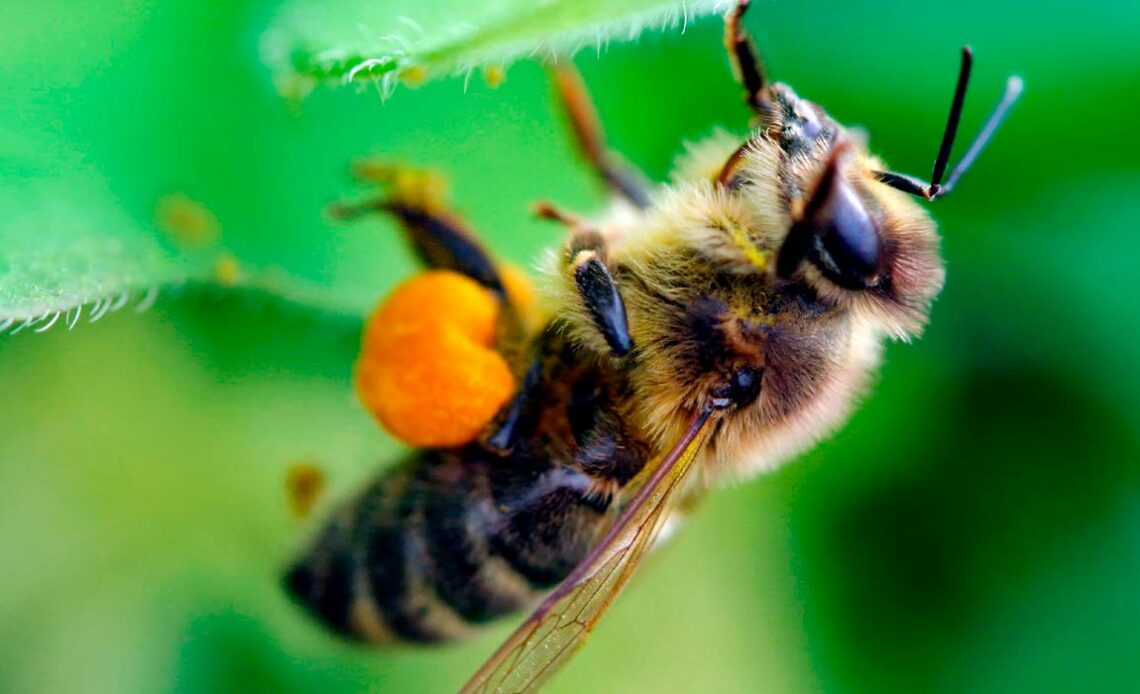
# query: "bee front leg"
439,237
586,262
620,178
514,415
745,59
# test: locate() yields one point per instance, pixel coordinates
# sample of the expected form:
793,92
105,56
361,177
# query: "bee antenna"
1013,88
951,131
936,189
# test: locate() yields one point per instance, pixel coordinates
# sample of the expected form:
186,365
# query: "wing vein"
566,617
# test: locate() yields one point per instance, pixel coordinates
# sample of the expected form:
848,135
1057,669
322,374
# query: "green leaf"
71,252
66,244
358,40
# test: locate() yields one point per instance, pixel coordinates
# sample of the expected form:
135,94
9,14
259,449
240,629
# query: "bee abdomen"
361,572
426,553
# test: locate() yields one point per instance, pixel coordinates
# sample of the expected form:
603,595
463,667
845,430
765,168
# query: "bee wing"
561,623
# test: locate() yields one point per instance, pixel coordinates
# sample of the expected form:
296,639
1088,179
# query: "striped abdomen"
453,538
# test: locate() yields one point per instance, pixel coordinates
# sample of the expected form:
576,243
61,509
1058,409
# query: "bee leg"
586,261
439,237
745,59
442,240
515,414
618,177
599,292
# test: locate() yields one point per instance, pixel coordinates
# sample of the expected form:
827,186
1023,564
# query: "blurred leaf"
71,251
386,42
67,243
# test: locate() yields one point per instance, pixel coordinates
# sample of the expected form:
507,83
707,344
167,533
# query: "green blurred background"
976,526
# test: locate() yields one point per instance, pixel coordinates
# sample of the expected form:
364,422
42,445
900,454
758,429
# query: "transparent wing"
561,623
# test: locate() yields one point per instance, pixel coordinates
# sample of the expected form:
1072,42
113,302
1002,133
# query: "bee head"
853,231
771,287
858,243
815,203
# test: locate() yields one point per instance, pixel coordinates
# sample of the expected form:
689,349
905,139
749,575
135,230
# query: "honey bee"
700,331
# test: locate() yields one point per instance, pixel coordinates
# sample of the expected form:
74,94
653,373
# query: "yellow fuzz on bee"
756,257
428,370
520,292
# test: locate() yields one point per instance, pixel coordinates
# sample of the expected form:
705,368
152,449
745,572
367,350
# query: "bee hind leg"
439,237
620,178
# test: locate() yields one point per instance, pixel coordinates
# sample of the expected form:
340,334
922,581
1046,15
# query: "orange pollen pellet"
428,370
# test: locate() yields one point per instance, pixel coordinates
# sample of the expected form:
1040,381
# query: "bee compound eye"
845,240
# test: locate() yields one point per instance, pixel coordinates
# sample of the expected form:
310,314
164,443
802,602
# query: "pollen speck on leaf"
413,76
494,75
304,482
187,221
227,270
